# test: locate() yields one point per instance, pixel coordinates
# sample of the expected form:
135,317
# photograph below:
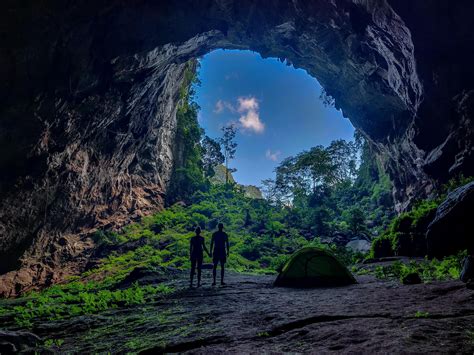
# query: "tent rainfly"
314,267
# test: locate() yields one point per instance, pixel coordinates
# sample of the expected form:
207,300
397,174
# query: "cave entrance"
278,110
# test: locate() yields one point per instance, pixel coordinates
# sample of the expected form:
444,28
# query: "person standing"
196,248
219,251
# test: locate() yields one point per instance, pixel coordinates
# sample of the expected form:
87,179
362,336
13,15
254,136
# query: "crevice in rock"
187,346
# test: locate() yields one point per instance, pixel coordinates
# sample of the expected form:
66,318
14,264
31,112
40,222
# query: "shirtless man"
219,251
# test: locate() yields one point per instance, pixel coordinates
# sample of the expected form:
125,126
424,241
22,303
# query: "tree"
229,146
344,158
356,221
211,155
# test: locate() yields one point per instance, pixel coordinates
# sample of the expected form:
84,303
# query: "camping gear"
314,267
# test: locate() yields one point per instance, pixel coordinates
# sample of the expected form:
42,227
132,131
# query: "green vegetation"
406,233
188,176
332,190
421,314
78,298
53,343
260,236
428,270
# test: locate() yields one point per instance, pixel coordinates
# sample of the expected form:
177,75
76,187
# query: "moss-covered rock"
406,234
381,247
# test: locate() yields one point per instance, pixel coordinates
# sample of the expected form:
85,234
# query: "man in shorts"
219,251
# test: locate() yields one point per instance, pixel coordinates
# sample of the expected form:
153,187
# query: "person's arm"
190,247
227,244
204,247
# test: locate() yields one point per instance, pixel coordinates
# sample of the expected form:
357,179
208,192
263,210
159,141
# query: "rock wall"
89,91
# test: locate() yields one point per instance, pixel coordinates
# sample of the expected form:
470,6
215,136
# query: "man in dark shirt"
219,251
196,247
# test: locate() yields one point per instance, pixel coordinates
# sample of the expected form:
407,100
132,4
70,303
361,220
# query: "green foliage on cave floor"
449,268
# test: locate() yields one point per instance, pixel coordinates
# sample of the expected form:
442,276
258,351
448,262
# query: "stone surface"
467,272
12,342
359,245
452,229
89,91
250,316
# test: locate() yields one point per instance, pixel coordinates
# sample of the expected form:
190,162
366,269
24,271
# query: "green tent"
314,267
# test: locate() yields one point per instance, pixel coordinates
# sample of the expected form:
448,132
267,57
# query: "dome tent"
313,267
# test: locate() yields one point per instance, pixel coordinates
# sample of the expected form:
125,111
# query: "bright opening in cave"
278,110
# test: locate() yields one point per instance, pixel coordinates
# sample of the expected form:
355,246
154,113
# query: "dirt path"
248,315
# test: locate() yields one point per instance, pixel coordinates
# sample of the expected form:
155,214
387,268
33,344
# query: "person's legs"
214,271
222,271
199,266
193,270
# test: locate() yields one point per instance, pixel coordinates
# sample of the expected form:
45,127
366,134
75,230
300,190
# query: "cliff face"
89,90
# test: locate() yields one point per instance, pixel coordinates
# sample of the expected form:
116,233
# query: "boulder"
359,245
411,279
467,272
452,229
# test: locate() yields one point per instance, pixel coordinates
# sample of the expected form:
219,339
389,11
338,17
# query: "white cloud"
247,104
222,105
250,117
273,156
248,108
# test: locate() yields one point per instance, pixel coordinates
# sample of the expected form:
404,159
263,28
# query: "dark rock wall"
89,91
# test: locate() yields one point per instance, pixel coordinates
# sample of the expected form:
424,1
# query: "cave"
89,92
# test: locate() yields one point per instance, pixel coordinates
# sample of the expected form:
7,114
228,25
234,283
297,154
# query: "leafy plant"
421,314
448,268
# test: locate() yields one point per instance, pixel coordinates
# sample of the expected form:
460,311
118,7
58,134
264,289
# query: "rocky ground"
249,315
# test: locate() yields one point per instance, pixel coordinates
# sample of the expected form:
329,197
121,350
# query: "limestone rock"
467,272
452,230
359,245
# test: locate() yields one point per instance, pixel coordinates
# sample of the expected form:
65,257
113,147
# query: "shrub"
448,268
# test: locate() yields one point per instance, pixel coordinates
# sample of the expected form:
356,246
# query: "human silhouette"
196,247
219,251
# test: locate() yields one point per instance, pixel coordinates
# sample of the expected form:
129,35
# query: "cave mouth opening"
278,110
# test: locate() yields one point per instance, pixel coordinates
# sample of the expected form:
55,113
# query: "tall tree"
211,155
229,146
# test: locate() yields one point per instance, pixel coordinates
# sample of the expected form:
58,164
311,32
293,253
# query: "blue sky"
276,108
